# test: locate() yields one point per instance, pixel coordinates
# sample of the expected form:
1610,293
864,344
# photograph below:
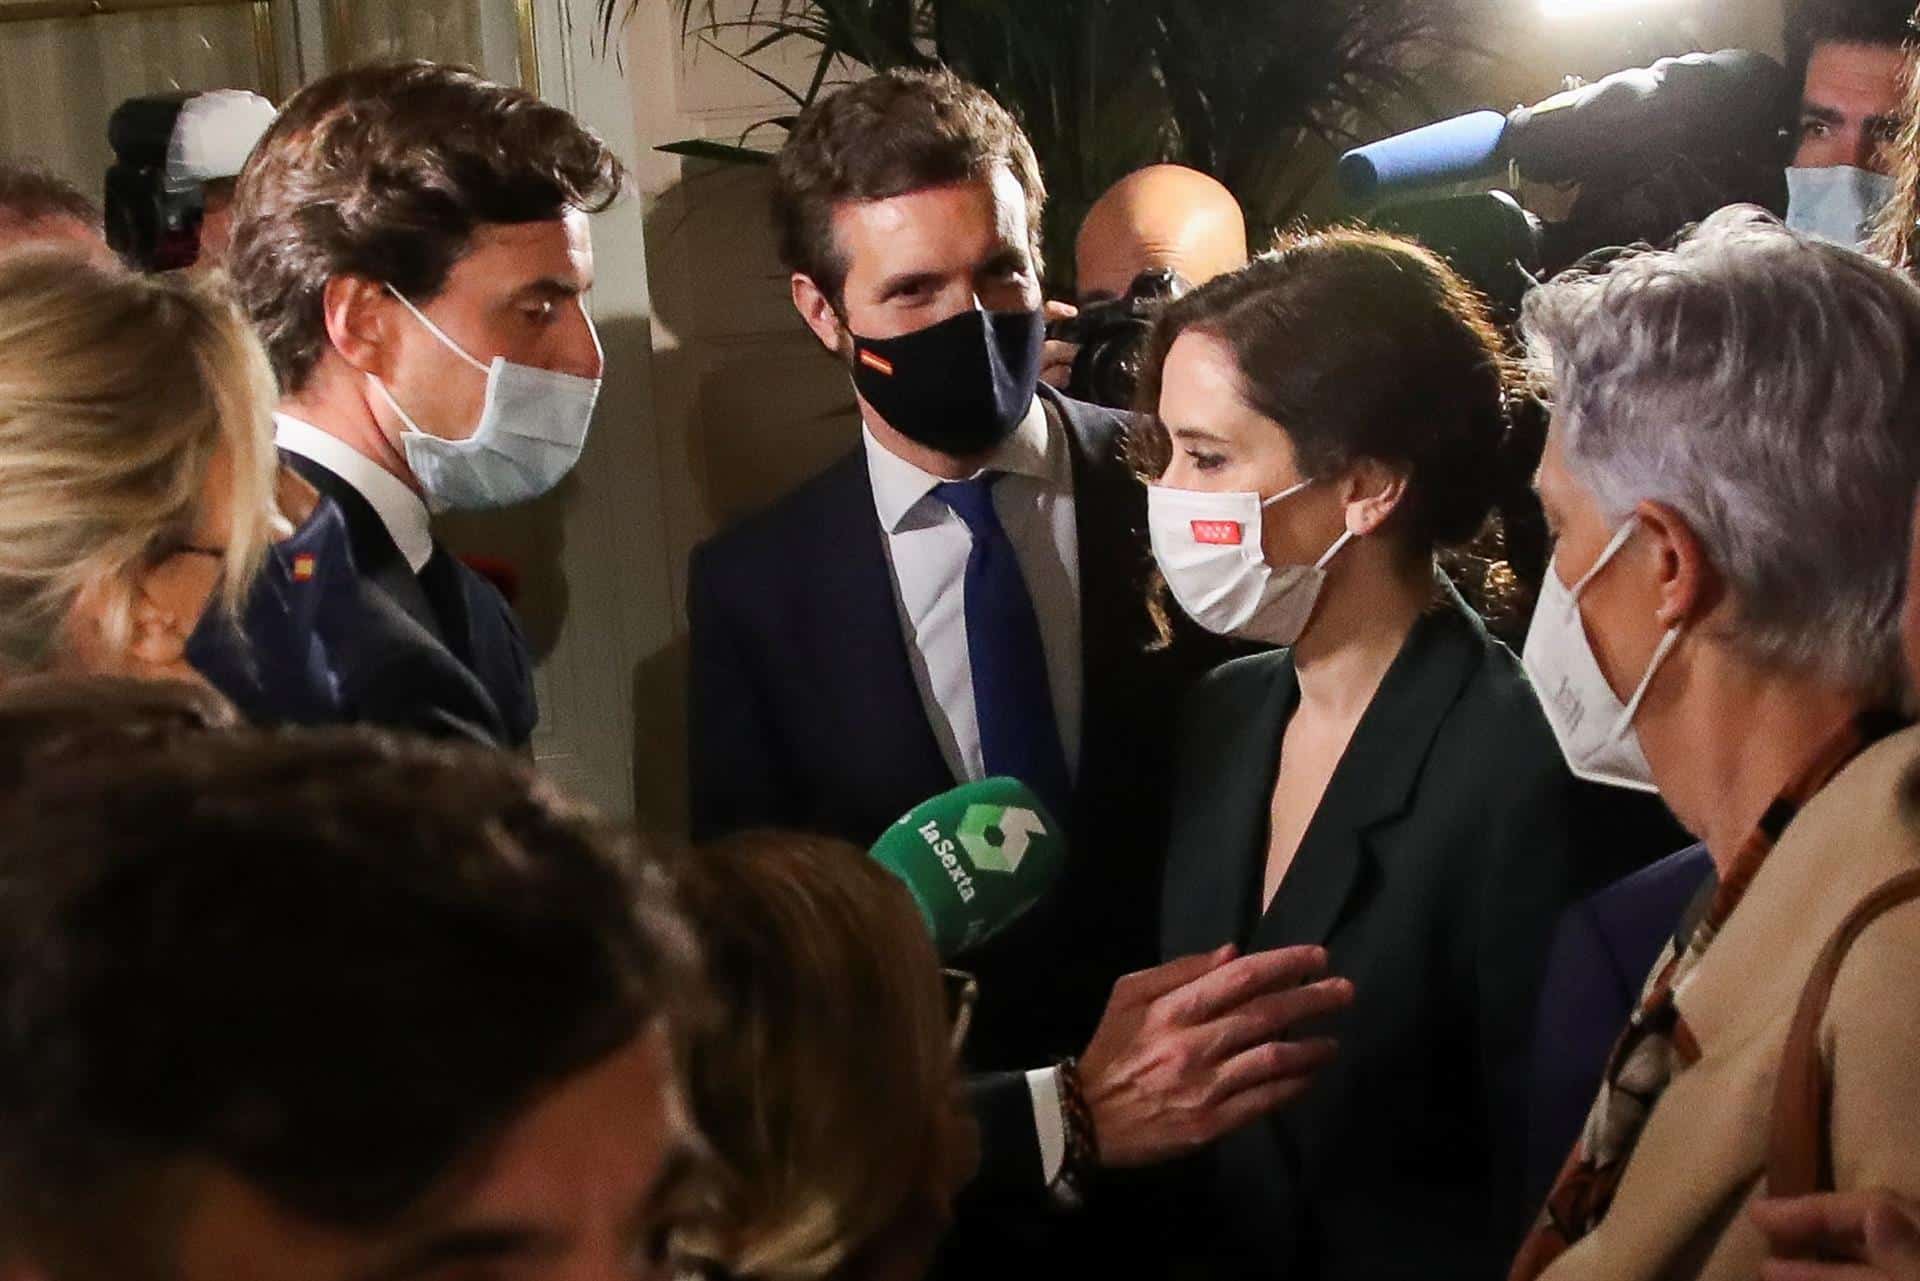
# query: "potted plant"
1241,89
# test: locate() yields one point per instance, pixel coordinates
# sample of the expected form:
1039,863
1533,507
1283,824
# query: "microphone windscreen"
1448,151
975,859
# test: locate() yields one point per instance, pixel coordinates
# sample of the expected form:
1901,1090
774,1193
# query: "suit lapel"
375,554
1109,513
859,628
1375,779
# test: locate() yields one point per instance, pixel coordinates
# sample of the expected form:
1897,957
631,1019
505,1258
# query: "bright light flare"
1591,8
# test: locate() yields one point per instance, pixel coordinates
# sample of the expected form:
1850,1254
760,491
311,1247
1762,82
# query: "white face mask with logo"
532,428
1838,202
1208,549
1594,729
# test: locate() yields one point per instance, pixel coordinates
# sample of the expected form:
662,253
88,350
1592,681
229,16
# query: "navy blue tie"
1019,735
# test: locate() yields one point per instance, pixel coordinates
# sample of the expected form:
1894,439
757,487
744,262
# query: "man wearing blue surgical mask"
412,243
1849,55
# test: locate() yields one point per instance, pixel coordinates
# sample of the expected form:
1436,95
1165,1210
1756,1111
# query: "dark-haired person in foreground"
412,243
328,1006
962,596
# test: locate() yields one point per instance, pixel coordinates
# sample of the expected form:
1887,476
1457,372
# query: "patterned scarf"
1657,1040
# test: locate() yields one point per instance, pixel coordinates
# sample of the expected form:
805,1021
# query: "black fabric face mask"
960,386
271,661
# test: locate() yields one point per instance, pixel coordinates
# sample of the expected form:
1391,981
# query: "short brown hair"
386,172
890,134
29,194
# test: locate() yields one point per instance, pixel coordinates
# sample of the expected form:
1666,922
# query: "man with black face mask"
963,596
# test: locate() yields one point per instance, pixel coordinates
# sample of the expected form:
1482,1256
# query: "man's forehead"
1860,76
929,209
565,235
513,254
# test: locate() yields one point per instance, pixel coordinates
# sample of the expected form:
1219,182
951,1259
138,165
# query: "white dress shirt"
927,548
402,511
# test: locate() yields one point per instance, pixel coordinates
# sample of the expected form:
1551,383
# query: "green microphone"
975,859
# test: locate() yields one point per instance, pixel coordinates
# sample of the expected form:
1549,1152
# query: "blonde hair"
825,1088
116,393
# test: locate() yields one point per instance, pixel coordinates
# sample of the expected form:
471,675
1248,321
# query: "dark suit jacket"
805,714
1433,872
1602,954
439,652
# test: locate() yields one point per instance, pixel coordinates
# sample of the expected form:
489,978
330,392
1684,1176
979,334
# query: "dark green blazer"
1433,873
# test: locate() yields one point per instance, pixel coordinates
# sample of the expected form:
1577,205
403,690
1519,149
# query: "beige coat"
1680,1209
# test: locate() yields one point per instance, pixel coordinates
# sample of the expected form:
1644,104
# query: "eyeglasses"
963,993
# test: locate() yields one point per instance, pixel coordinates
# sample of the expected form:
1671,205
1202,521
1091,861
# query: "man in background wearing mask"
964,596
1847,55
412,243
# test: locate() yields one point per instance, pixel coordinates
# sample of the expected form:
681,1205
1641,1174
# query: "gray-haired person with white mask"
412,243
1729,475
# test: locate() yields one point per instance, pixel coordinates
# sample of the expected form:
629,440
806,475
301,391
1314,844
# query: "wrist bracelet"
1082,1157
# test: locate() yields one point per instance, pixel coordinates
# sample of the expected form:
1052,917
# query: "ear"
359,318
817,310
1690,586
1372,492
159,638
154,637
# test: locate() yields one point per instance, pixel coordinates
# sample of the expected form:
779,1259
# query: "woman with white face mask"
1729,473
1317,427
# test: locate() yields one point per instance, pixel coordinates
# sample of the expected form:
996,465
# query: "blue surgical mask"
532,428
1837,203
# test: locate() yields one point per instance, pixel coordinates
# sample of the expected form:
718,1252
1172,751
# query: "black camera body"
151,222
1112,337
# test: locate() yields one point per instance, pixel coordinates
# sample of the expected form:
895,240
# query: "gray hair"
1766,386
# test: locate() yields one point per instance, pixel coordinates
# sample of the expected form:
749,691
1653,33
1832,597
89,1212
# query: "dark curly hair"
890,134
386,172
335,964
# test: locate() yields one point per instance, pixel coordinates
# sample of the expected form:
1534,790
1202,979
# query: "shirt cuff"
1048,1121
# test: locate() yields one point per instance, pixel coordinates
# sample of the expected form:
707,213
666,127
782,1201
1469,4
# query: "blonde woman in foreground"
136,465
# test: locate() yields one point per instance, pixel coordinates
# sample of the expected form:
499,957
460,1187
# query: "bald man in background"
1160,216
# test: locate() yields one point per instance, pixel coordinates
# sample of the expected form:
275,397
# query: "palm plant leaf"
1252,91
